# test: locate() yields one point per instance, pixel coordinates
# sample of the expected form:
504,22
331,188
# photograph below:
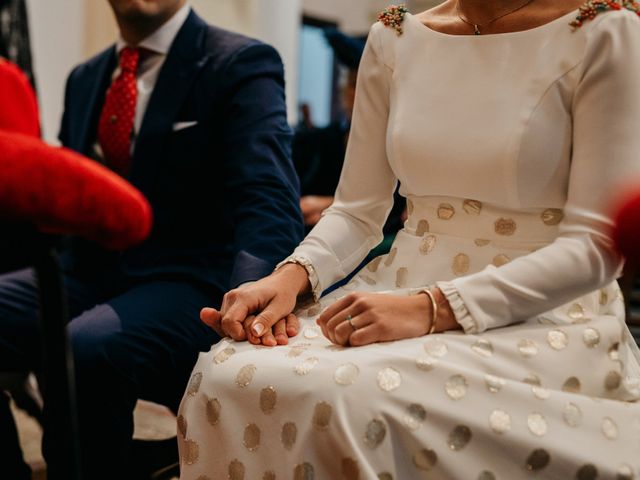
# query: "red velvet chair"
46,191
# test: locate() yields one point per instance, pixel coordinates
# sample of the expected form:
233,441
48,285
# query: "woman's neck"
481,11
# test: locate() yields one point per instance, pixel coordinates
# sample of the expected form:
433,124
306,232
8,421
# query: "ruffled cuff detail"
460,311
314,280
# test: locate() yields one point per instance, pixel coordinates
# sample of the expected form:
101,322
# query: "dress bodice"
469,116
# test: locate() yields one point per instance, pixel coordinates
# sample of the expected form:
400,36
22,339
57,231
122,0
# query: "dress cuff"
460,311
314,280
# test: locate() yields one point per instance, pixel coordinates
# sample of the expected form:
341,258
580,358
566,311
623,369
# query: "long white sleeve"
352,226
606,149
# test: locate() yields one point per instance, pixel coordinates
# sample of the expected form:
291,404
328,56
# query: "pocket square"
182,125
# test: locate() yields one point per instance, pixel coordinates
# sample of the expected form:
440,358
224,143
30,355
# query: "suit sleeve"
259,178
63,134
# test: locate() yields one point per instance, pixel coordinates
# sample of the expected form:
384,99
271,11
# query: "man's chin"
136,10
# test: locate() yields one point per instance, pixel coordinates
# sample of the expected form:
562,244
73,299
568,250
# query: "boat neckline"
544,26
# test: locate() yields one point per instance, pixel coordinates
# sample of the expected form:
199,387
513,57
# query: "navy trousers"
130,339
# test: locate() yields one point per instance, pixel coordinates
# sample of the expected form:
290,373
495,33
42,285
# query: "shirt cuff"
316,289
460,311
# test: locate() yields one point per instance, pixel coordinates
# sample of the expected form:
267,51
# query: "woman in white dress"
490,342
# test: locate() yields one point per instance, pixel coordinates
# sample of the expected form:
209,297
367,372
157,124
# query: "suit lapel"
89,106
178,72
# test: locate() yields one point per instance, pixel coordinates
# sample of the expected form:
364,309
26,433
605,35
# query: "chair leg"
58,373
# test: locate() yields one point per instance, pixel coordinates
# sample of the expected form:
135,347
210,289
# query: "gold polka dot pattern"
483,347
322,415
537,424
304,471
389,379
236,470
500,421
245,375
461,264
572,385
223,355
505,227
446,211
456,387
422,228
436,348
552,216
191,452
194,383
425,459
415,416
557,339
376,431
472,207
427,244
459,437
251,437
289,435
538,460
350,469
268,400
346,374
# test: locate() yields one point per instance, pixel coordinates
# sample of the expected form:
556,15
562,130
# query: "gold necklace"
477,26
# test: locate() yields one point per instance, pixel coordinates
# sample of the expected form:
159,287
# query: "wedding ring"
350,320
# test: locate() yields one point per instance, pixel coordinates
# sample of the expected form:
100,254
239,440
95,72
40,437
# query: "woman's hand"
382,318
312,207
261,312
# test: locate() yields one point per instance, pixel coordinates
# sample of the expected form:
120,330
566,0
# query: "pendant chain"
478,26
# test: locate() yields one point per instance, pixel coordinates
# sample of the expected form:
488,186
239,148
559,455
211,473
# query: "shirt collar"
161,40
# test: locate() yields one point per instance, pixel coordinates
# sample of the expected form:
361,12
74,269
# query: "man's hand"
312,207
261,312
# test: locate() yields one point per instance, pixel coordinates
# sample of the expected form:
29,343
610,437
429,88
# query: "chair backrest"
18,103
60,191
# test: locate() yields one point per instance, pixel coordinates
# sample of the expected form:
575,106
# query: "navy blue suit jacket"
224,192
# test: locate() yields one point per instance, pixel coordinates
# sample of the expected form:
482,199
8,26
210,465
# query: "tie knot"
129,58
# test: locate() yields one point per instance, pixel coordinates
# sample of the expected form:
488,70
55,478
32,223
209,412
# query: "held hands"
261,312
364,318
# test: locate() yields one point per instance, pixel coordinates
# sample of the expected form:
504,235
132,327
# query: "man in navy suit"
195,117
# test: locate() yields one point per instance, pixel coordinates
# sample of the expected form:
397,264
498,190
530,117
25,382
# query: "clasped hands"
261,313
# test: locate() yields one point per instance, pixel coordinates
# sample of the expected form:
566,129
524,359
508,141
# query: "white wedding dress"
508,148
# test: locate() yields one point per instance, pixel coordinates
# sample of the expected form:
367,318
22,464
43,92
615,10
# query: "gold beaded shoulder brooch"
393,17
592,8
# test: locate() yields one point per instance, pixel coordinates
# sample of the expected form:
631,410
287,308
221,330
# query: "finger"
293,325
247,330
212,318
233,320
365,336
268,340
341,317
343,331
280,332
276,309
336,307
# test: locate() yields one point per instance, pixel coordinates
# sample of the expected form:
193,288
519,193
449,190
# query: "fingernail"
258,328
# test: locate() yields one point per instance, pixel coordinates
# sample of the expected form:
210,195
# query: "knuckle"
266,317
355,339
362,303
352,297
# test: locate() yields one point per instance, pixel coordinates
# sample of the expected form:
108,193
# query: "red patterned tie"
116,121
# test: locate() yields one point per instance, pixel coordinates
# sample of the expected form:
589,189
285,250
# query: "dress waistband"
482,222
